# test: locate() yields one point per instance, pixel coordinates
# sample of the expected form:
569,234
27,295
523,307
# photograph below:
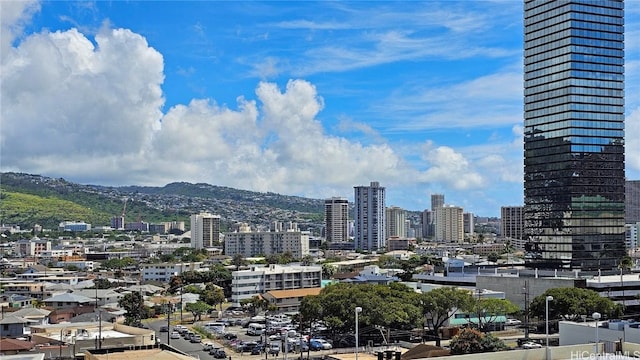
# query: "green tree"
255,304
197,309
487,310
327,271
471,341
571,303
238,261
439,305
102,283
493,257
307,260
212,295
133,303
626,263
393,306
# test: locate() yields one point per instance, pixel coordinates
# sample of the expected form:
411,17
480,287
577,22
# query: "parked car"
302,346
220,354
274,349
207,346
531,345
257,350
321,343
230,336
195,339
513,322
213,350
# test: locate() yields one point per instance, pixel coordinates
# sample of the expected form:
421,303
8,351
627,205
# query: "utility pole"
526,309
168,322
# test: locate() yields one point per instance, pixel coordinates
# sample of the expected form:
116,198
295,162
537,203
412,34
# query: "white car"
175,335
513,322
531,345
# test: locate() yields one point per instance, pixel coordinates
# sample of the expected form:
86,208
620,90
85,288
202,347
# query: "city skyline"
304,98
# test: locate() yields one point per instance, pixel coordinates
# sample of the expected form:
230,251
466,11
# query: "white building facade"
164,271
263,243
336,215
449,224
396,222
205,230
369,216
260,279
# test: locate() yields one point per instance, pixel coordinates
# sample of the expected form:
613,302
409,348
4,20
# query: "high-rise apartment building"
369,216
428,224
437,200
574,133
205,230
449,224
396,222
632,201
468,223
336,218
512,222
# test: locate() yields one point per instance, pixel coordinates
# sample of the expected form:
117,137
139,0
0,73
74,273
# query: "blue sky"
299,98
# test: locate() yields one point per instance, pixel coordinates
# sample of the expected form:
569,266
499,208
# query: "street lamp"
358,310
547,299
596,316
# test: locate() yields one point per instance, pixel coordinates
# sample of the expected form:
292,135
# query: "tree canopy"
393,306
470,341
133,303
571,303
197,309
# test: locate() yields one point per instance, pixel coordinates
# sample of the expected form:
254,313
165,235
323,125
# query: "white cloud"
83,101
13,16
449,168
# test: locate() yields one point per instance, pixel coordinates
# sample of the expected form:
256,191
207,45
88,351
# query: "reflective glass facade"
574,133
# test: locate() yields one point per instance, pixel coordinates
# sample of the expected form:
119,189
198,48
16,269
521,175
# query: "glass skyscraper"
574,133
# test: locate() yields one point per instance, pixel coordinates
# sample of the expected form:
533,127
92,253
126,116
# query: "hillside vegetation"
27,199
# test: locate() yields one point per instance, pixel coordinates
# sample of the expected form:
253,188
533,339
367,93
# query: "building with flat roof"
396,222
632,201
336,217
264,243
449,224
370,217
574,177
205,230
258,280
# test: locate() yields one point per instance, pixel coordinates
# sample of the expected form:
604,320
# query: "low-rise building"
288,301
164,271
259,279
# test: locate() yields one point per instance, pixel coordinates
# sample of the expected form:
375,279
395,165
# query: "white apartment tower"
369,215
396,222
449,224
336,217
205,230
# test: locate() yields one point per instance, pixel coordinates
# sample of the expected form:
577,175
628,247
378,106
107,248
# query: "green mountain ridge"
26,200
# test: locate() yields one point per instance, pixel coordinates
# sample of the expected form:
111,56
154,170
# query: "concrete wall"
557,353
578,333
